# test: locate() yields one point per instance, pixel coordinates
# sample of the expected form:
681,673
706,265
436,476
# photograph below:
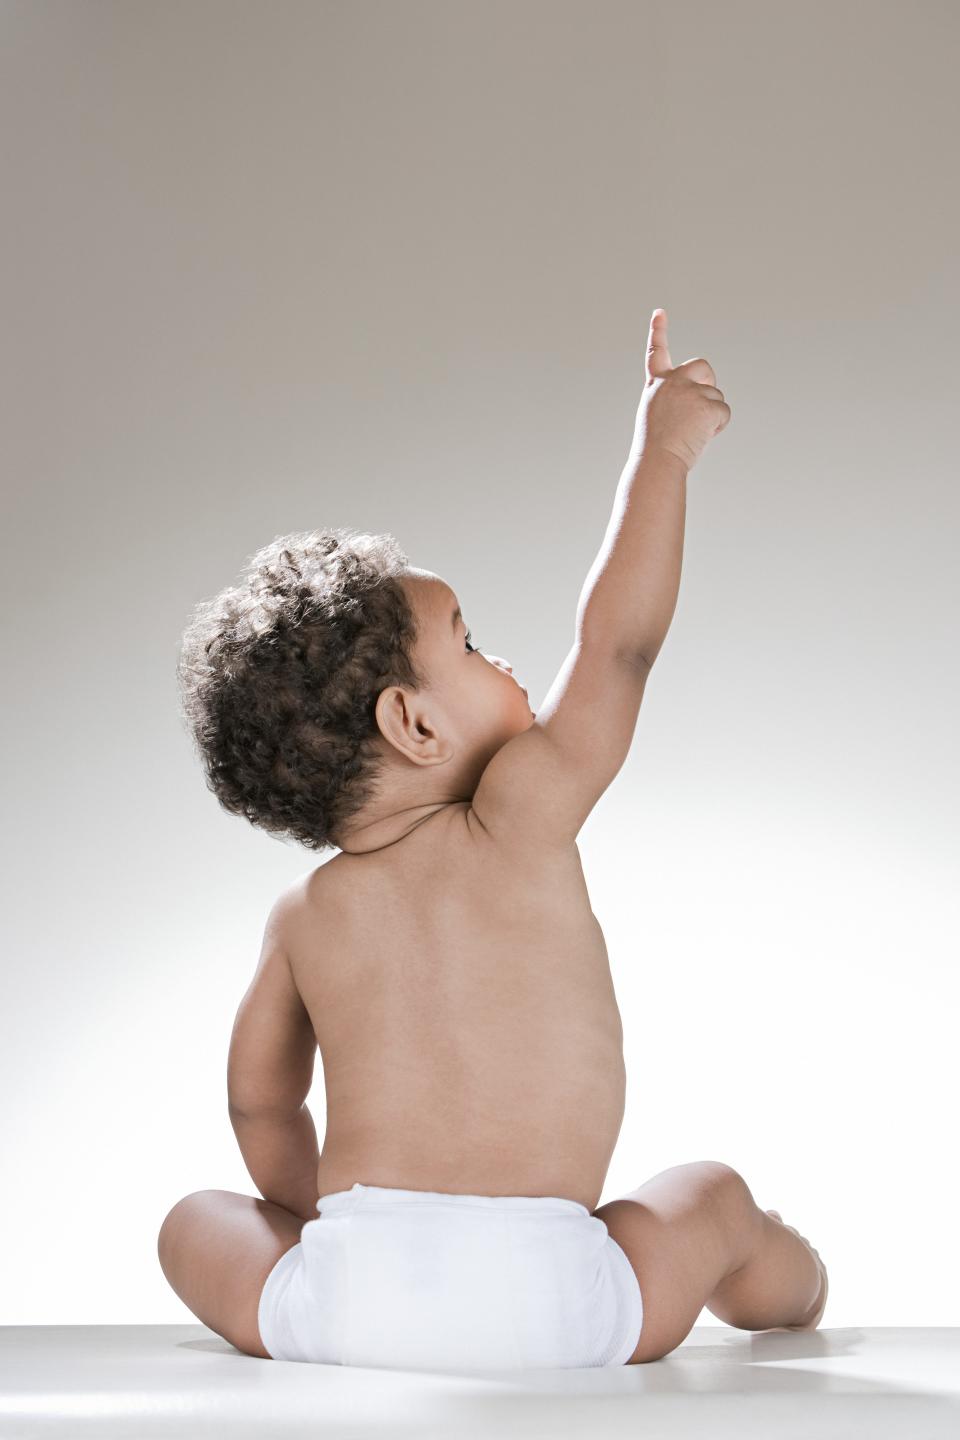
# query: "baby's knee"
731,1200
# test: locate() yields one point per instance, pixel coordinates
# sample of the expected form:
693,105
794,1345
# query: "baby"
450,969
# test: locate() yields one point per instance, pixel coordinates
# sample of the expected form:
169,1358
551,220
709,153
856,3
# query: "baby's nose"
498,660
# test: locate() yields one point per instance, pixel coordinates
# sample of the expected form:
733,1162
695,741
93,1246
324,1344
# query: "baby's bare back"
465,1015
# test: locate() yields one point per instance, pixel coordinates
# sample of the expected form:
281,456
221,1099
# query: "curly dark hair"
279,676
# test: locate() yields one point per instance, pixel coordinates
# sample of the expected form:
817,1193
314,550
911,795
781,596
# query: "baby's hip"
421,1279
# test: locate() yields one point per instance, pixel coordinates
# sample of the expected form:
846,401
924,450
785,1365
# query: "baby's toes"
777,1216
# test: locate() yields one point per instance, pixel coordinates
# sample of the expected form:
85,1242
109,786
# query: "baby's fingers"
724,412
722,409
658,355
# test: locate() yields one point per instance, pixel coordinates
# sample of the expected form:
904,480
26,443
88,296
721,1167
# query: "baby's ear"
405,722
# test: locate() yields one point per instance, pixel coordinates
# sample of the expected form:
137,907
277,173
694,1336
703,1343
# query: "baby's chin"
527,720
514,720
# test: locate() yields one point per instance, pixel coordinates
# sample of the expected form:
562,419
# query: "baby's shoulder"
292,909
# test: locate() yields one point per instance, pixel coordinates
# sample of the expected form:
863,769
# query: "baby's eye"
474,648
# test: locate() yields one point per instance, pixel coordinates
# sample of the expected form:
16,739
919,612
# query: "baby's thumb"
658,355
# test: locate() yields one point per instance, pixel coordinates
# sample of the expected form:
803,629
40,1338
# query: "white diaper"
422,1280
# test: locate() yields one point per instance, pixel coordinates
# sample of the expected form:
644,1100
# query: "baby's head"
335,679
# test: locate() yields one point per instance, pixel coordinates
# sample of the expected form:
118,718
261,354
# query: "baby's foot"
820,1304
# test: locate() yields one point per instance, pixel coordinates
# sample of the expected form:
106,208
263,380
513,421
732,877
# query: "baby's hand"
681,409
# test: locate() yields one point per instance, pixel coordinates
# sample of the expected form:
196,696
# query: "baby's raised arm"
541,785
630,592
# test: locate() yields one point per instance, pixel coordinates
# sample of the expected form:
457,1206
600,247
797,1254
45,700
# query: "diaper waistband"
368,1195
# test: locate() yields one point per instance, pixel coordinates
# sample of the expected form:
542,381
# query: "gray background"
268,267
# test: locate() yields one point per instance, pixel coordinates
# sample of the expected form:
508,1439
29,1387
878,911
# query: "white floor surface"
136,1382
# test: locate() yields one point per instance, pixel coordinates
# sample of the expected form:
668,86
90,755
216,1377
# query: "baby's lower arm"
282,1155
631,590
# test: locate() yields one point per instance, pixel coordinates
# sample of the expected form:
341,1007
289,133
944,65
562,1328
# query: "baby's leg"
696,1238
216,1249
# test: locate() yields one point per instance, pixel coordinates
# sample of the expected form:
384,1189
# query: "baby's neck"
386,830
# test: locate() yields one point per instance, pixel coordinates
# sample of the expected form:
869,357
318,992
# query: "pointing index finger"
658,354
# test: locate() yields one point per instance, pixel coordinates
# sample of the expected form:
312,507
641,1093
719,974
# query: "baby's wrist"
660,458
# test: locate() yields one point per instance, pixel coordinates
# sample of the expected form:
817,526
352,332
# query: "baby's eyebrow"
456,616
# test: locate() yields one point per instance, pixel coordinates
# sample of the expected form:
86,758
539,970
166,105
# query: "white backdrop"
271,266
